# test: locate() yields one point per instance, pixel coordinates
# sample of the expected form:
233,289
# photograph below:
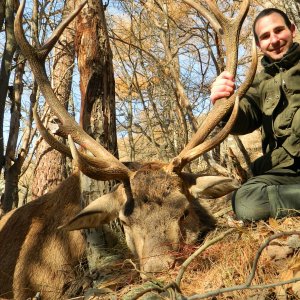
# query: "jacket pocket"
270,102
283,121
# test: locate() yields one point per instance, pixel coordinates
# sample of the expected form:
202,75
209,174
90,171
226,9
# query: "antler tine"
229,28
220,109
206,14
91,167
94,168
49,44
78,134
42,52
213,118
181,160
54,143
215,140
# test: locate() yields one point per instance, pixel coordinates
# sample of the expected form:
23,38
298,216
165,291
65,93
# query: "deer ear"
211,186
101,211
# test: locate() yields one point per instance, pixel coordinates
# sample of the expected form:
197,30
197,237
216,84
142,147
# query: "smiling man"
273,33
272,104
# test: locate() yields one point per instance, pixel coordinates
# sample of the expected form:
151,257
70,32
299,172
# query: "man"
271,103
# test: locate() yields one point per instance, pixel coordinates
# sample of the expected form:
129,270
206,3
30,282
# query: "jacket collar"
288,60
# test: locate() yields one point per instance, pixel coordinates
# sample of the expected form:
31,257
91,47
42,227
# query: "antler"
230,29
51,140
104,165
110,167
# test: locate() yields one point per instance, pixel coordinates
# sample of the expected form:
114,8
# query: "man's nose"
274,38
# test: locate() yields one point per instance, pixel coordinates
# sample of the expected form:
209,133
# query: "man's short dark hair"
267,12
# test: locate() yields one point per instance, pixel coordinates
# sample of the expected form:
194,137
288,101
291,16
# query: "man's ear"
293,30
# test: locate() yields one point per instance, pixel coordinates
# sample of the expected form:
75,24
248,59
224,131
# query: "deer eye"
185,214
124,222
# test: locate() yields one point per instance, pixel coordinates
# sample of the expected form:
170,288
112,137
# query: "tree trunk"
97,115
9,50
12,165
2,13
51,164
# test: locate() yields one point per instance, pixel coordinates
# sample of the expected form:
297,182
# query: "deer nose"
157,264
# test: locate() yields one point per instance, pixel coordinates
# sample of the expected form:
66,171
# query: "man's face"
274,36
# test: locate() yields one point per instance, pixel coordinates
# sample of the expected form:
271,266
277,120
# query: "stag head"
160,212
157,203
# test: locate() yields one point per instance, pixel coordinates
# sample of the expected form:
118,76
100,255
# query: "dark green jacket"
272,103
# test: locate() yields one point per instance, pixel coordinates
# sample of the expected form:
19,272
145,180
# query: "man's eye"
264,37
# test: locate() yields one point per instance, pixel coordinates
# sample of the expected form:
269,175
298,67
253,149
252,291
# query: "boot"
284,200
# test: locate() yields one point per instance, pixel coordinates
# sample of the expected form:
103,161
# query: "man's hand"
222,87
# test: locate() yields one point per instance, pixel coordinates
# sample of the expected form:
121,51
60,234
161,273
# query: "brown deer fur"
34,254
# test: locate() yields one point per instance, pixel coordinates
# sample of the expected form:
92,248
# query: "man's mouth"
277,49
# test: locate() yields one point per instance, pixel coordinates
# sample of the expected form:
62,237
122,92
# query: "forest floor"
250,260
